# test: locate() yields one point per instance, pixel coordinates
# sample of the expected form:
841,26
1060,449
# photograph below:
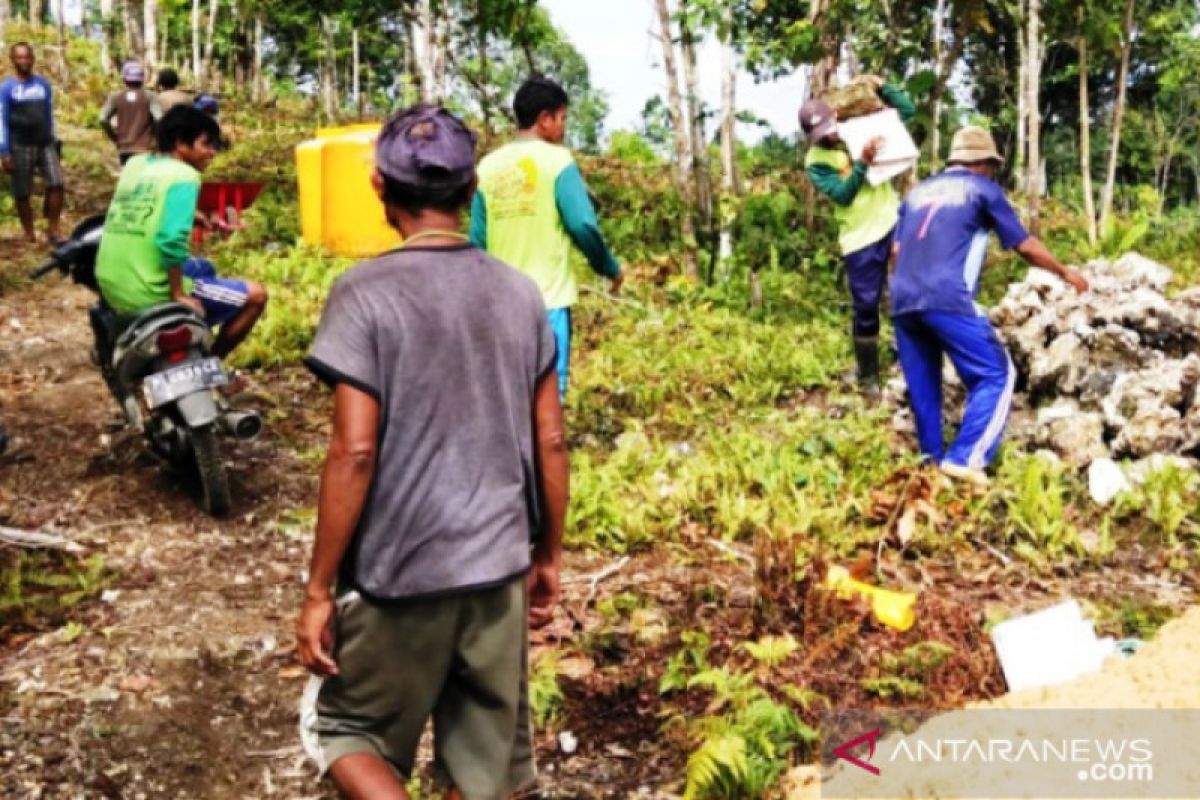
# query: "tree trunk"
1114,149
258,91
939,46
699,142
484,88
60,19
1021,156
820,78
1033,175
1085,135
683,156
428,40
106,29
354,76
197,66
240,57
328,65
150,34
1164,179
209,42
128,11
730,180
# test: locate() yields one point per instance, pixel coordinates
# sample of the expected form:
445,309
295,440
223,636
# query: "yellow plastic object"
310,177
339,209
894,609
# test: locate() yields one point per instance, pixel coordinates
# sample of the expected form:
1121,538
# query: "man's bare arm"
1037,254
554,490
345,481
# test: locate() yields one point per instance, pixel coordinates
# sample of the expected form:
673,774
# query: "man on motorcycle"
143,259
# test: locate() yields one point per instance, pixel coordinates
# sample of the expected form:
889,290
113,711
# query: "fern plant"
771,651
744,743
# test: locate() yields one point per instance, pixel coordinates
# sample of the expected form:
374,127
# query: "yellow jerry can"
339,209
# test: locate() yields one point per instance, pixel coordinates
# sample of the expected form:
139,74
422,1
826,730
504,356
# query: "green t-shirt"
532,205
523,226
872,210
147,231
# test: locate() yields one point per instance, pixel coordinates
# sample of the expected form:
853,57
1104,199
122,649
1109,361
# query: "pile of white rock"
1112,372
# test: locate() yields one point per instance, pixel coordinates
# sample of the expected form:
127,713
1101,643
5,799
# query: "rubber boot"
866,353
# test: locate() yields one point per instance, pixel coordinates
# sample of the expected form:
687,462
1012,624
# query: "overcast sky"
626,62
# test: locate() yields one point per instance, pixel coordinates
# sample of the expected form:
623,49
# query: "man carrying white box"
865,213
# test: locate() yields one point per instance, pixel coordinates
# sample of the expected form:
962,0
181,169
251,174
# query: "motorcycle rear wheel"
215,499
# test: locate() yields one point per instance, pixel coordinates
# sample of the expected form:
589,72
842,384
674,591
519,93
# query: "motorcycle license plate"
164,387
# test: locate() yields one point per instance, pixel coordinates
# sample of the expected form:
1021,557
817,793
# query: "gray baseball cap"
133,72
426,146
817,120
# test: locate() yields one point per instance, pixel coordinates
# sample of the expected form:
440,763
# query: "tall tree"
1033,132
1118,116
197,64
131,20
680,128
106,35
210,43
695,121
1085,128
730,180
150,34
428,37
328,68
259,88
60,27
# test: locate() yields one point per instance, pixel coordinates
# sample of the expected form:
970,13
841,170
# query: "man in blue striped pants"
941,243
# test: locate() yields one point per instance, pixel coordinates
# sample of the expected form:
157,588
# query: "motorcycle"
159,367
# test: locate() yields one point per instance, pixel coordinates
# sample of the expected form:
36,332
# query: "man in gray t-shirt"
443,497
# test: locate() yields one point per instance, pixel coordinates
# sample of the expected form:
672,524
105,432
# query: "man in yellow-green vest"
865,214
532,205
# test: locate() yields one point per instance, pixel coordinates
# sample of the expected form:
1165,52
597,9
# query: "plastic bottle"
894,609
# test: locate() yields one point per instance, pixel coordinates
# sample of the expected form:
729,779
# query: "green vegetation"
44,588
545,695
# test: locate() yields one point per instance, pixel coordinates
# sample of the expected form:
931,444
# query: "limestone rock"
1076,436
1106,480
1133,269
1142,469
1154,428
1062,365
1116,369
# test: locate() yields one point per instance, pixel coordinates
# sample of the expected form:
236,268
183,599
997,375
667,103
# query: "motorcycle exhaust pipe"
242,425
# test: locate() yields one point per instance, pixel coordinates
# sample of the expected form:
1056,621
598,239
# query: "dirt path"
179,681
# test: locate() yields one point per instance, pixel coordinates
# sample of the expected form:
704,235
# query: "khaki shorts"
459,659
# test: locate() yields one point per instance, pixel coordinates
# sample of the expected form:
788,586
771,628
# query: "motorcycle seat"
126,326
